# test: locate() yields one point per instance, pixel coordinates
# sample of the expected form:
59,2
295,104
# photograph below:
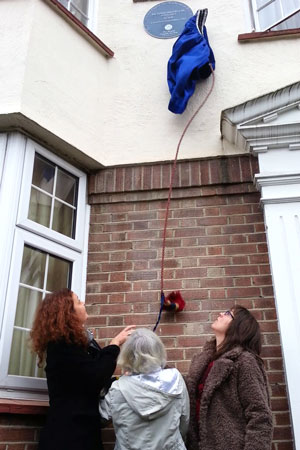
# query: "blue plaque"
167,19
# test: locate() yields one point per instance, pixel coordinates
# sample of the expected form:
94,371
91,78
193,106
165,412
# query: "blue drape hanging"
191,60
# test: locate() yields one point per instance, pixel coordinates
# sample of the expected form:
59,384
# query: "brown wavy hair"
56,320
244,331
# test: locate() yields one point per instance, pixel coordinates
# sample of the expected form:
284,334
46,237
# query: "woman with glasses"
228,388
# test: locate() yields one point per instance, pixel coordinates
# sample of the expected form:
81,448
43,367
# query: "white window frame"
91,15
27,224
18,231
2,154
253,12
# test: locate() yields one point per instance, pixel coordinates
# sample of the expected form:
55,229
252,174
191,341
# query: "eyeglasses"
229,313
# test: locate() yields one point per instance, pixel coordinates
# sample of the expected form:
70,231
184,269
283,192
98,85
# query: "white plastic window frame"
17,175
91,14
22,220
254,14
2,155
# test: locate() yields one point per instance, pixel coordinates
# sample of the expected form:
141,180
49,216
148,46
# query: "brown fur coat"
235,405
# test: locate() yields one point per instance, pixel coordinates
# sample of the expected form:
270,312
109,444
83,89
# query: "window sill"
245,37
23,406
91,37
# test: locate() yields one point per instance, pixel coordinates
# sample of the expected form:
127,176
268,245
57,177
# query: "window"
274,15
43,248
81,9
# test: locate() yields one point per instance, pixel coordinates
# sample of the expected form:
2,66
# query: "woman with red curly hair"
77,371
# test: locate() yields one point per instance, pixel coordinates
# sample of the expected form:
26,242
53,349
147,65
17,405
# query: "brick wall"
216,255
20,431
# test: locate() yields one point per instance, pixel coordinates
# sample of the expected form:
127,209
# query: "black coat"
75,377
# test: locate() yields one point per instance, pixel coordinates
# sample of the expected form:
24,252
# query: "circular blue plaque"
167,19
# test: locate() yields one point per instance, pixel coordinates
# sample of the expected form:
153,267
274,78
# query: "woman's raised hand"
122,336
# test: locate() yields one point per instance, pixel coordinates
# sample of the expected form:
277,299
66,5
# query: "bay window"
43,247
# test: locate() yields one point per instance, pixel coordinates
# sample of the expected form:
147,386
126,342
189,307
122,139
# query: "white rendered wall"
16,22
114,110
146,129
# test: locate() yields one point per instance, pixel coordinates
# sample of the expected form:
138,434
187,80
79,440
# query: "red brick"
18,447
156,177
243,292
170,329
115,309
114,321
115,287
216,282
116,298
195,173
214,261
240,260
116,277
241,270
190,341
118,256
16,434
184,174
275,364
271,351
182,366
97,277
231,210
140,308
95,321
145,254
282,433
285,445
174,354
262,280
242,281
241,249
245,168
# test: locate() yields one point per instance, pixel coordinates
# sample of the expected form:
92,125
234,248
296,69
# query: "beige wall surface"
15,25
115,110
146,129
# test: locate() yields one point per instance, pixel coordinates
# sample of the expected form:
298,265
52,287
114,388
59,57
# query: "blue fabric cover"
189,63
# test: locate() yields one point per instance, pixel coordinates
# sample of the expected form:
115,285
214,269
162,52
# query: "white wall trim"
269,127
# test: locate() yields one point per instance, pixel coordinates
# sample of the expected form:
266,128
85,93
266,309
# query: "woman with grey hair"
149,404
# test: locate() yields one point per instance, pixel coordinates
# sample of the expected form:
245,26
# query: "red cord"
172,177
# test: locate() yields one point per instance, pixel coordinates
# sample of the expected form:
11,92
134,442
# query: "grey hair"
143,352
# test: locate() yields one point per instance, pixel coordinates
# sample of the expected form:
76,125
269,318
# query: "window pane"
79,16
35,263
28,301
33,267
66,187
277,10
63,219
270,14
43,174
59,274
262,3
40,208
22,360
44,207
81,4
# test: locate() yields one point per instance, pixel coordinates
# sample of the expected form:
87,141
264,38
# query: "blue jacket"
189,62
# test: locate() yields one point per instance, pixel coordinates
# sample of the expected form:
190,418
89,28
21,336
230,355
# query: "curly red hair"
56,319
